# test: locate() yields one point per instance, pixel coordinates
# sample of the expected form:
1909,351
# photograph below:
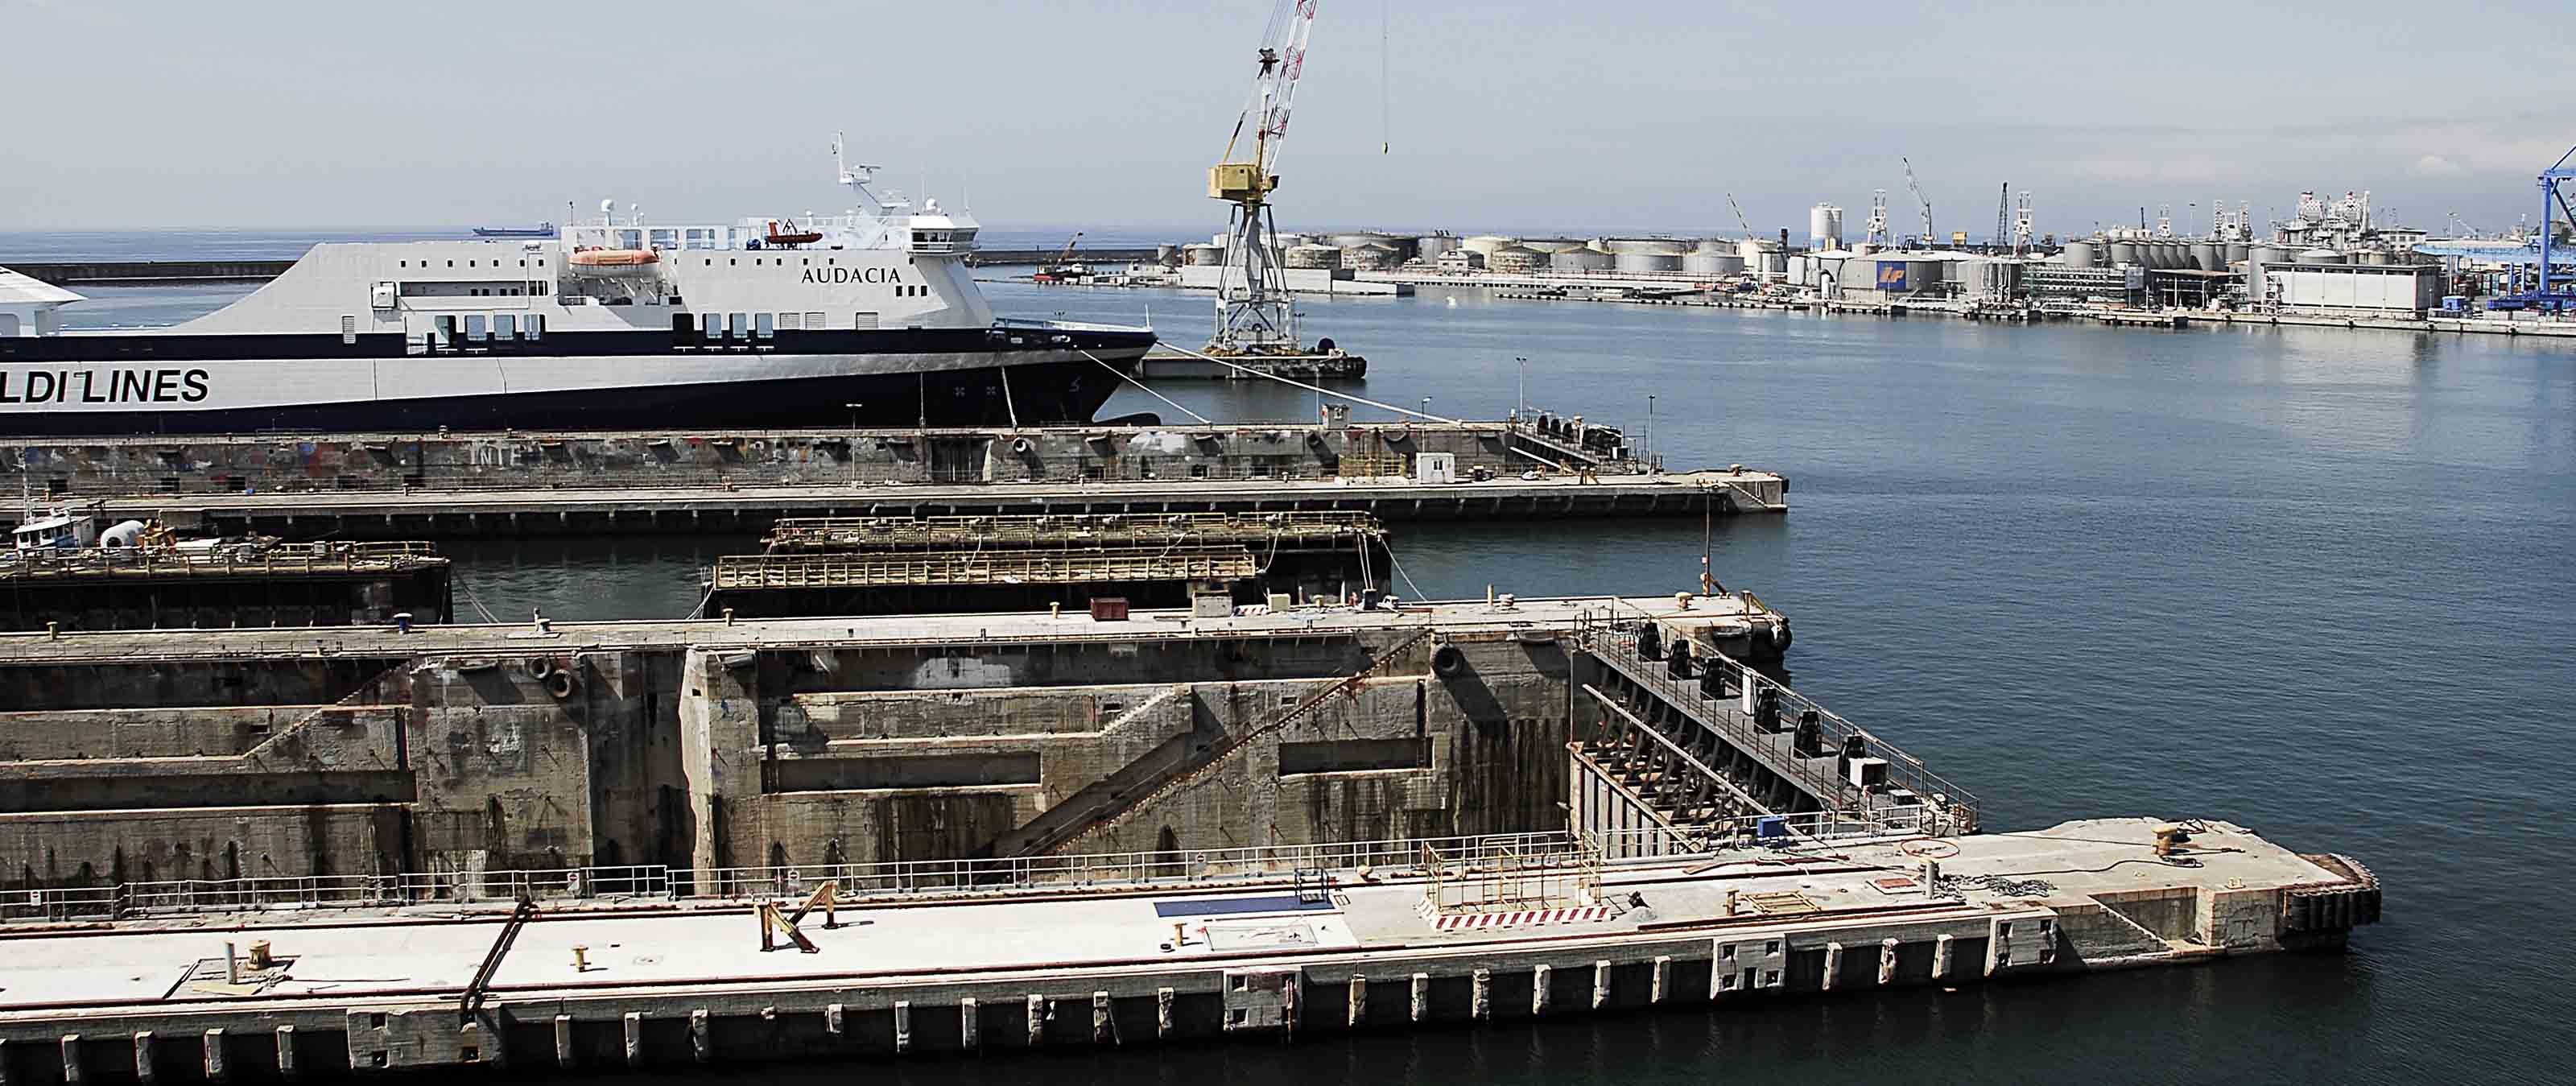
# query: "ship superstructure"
866,317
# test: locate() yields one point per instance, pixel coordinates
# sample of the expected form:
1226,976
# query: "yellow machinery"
1253,312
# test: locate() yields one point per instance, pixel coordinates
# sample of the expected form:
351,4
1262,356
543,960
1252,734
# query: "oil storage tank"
1516,260
1648,260
1555,245
1825,227
1713,258
1487,243
1312,256
1429,247
1373,256
2079,254
1582,259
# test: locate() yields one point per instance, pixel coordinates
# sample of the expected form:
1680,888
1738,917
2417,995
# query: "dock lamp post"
1524,414
1426,407
854,415
1650,429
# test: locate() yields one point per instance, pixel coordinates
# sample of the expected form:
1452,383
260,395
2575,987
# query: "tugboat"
612,324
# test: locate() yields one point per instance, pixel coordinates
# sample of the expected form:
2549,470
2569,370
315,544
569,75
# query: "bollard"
581,959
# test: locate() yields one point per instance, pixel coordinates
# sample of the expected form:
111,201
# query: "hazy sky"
1497,114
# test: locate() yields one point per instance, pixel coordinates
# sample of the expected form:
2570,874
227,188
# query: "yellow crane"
1253,312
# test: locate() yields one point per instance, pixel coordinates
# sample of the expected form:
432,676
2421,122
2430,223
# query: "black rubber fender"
538,667
1447,661
561,684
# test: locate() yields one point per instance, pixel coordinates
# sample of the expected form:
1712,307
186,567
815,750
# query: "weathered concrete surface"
1079,967
788,742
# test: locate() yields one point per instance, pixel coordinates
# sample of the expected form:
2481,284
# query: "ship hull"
974,381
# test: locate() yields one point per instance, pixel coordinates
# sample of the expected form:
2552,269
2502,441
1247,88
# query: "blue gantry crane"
2551,288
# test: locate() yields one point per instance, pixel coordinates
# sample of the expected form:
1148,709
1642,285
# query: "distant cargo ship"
541,230
867,318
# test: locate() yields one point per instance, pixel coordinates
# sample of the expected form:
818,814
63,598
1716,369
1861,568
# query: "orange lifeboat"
791,236
613,262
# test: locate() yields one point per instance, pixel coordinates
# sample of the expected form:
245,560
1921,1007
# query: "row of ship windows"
481,326
541,262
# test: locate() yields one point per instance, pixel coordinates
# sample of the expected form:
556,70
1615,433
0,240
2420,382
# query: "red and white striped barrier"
1513,918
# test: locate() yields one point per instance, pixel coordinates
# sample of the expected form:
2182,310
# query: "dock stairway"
1103,819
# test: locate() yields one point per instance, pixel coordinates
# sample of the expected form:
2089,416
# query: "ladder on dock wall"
1216,756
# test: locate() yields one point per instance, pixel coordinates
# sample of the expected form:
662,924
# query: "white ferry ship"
867,318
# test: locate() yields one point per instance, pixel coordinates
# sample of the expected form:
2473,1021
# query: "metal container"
1167,255
1825,226
2078,254
2125,252
2239,252
1516,260
2207,256
1581,260
1429,247
1312,256
2270,254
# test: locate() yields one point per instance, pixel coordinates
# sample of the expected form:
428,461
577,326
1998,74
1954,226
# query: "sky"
1498,115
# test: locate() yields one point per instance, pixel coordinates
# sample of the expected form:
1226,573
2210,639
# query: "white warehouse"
2359,290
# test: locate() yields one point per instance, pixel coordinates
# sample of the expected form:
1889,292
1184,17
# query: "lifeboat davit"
790,235
614,262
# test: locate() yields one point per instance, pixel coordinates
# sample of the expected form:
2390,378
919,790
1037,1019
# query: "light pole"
1426,407
854,416
1650,428
1524,412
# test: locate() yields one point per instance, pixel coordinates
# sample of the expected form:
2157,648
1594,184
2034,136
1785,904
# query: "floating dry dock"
226,586
1260,944
415,486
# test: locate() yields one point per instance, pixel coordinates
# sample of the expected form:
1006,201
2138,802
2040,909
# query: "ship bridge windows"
505,326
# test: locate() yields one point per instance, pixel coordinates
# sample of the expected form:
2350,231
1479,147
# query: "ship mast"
1253,310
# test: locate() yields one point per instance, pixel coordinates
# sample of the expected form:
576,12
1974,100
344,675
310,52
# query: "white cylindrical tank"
2238,252
1429,246
1555,245
2207,256
1516,260
2321,256
1825,226
1205,255
2078,254
1643,260
1313,256
1487,243
2125,252
1712,264
2271,254
1585,259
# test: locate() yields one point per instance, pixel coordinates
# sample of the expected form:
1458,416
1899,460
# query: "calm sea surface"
2319,583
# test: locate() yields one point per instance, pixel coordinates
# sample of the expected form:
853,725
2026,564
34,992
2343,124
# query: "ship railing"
911,879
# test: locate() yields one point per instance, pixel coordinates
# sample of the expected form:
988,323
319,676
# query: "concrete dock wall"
512,750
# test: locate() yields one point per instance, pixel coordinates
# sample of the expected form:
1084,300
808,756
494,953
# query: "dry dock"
432,486
1255,945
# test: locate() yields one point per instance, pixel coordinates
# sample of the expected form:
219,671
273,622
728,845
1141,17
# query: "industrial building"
2335,288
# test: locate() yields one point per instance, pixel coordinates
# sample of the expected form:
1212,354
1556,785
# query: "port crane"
1917,190
1063,264
1253,312
1739,214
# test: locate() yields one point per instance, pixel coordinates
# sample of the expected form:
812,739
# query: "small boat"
613,262
792,235
541,230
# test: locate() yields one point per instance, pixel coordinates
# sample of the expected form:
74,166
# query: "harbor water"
2316,582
